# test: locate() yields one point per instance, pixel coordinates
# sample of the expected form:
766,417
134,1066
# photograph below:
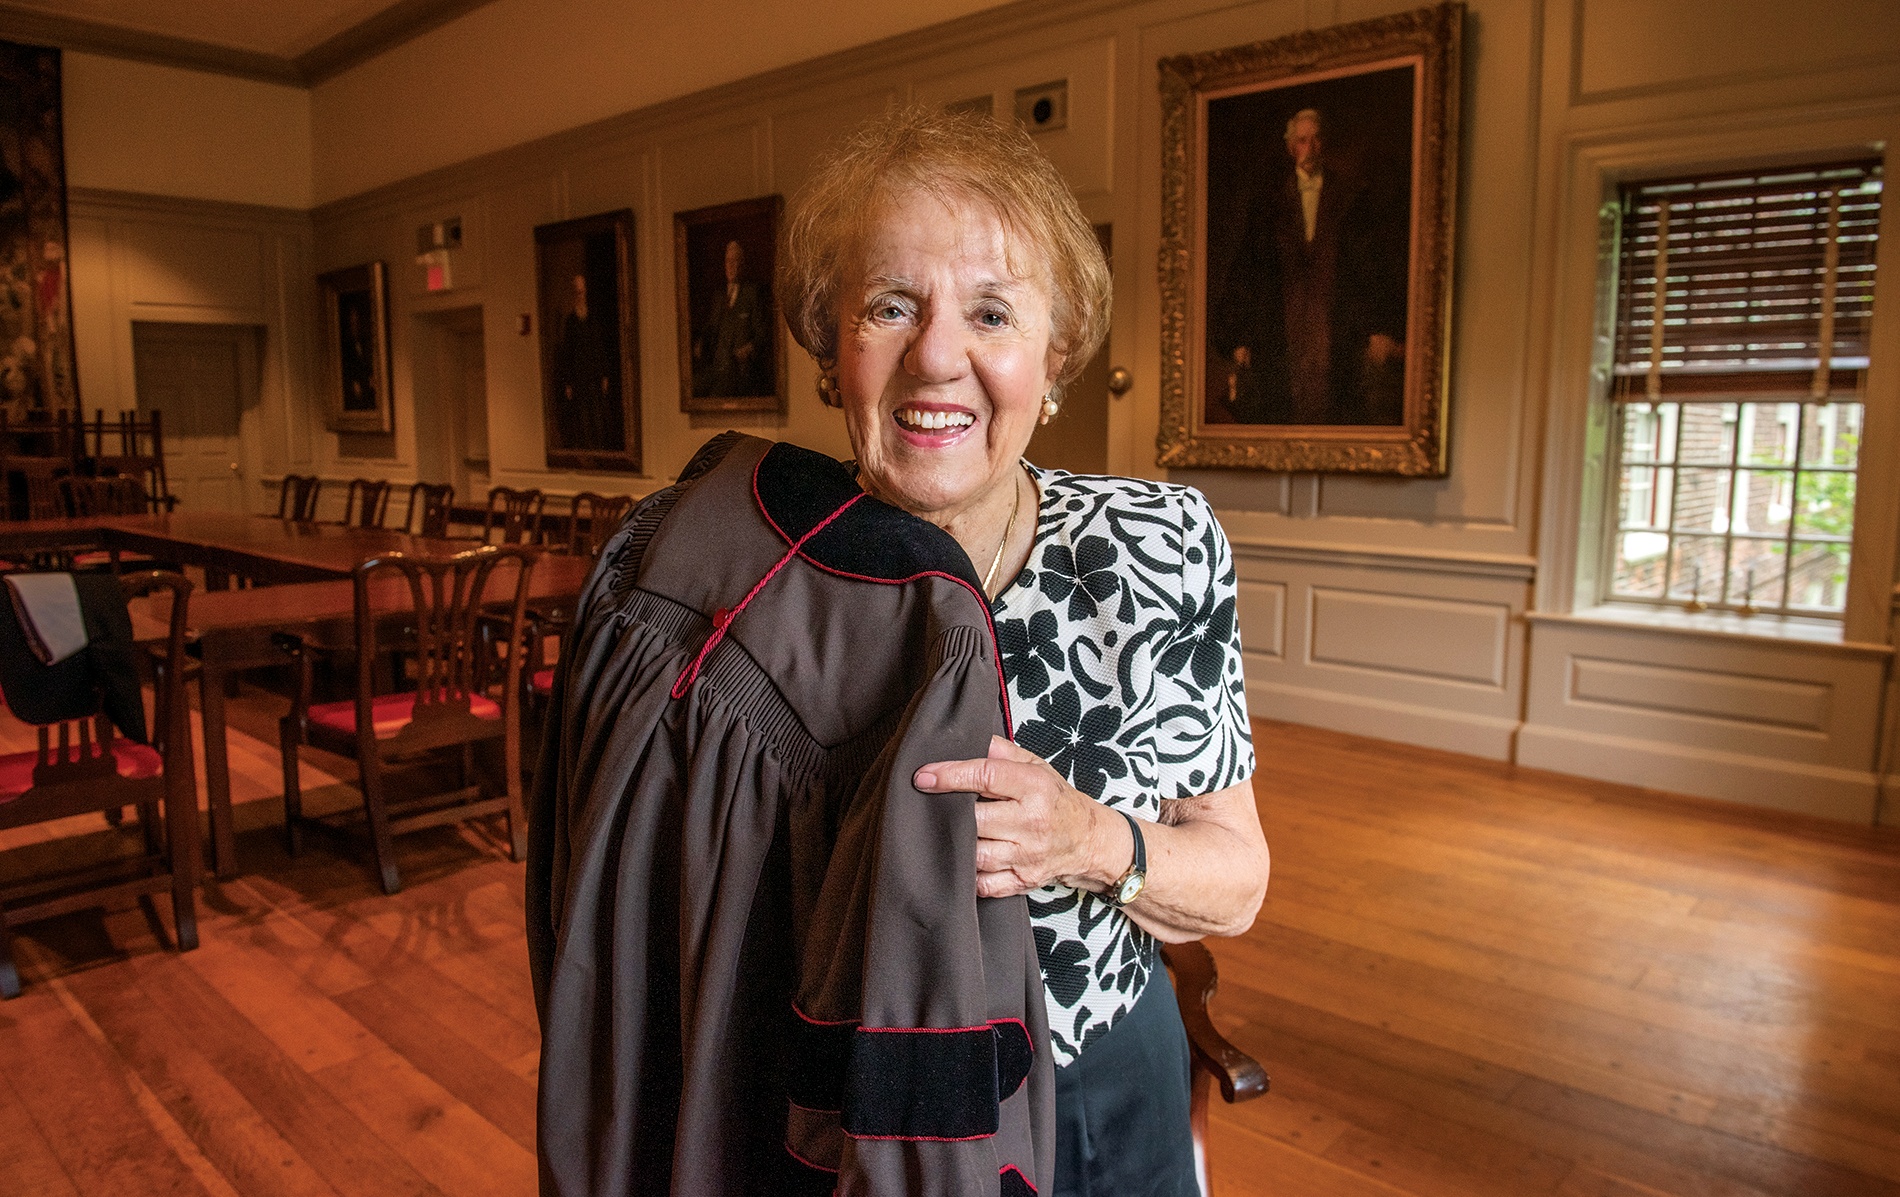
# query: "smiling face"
943,359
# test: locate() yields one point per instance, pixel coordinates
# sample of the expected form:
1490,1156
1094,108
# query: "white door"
199,376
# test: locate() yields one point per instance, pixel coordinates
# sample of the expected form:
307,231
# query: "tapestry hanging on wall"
37,373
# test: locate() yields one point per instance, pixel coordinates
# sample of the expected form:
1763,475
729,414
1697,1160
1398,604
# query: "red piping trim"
723,619
922,1030
996,652
1025,1026
801,1159
919,1138
1006,1169
811,1109
823,1022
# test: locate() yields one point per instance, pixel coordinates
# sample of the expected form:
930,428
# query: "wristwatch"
1129,886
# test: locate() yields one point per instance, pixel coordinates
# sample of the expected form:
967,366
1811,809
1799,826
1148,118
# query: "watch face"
1130,888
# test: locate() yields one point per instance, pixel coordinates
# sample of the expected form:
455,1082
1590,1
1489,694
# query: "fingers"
1008,771
1000,885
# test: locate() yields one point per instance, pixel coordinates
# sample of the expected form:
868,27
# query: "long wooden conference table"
302,576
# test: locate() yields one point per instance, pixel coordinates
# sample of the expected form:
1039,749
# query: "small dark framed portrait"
356,342
590,342
731,347
1308,195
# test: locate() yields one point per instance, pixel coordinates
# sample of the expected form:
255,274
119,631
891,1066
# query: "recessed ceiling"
288,41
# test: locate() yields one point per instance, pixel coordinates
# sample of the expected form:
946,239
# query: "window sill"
1776,629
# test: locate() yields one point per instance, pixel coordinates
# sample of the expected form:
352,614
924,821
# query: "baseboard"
1822,790
1429,727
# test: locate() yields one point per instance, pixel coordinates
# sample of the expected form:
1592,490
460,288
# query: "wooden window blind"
1766,283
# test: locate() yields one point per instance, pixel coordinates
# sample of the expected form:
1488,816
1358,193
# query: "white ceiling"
278,28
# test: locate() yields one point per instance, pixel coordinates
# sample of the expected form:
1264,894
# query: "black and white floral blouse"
1122,654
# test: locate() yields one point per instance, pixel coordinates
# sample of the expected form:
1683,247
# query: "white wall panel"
1261,608
1401,633
1701,693
1741,718
1413,649
172,265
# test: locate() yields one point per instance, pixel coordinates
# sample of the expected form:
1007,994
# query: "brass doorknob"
1119,380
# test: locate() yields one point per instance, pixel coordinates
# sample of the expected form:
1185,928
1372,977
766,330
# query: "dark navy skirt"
1122,1125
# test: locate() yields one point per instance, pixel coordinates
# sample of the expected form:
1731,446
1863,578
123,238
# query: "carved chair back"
365,503
297,500
430,505
442,634
592,519
515,514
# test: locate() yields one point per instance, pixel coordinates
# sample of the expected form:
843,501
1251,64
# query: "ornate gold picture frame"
590,342
732,356
356,348
1308,194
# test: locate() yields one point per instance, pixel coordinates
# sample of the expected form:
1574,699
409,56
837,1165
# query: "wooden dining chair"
116,495
433,614
365,503
132,446
82,766
297,497
1212,1057
430,506
45,499
592,519
514,515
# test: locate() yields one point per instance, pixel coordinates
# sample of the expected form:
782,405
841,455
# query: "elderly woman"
940,271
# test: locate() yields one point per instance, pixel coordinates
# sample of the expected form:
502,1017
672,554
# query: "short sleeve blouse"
1122,654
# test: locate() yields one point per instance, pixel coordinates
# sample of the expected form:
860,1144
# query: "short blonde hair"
952,155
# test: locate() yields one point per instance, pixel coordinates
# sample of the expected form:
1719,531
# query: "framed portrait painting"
590,342
1308,189
356,346
731,349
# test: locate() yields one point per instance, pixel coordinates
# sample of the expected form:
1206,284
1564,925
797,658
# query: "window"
1737,414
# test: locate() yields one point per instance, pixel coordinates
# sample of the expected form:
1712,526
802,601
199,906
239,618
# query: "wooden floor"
1468,979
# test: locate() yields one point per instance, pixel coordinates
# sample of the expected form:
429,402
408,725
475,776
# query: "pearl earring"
828,383
1049,409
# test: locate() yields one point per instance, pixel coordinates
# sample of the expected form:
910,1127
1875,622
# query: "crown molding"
116,41
837,68
107,201
402,22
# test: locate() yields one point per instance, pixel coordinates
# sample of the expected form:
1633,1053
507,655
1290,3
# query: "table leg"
181,823
217,769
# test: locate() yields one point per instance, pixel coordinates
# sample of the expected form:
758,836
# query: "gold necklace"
996,562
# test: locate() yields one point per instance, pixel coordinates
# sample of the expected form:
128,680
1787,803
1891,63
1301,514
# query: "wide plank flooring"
1468,979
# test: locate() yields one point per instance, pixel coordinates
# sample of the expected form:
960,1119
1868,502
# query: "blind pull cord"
1661,303
1831,270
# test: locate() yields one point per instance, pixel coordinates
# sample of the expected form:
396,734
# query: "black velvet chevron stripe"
816,1056
904,1083
1014,1054
922,1084
1015,1184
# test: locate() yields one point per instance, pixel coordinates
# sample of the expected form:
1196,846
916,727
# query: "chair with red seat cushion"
81,767
432,609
